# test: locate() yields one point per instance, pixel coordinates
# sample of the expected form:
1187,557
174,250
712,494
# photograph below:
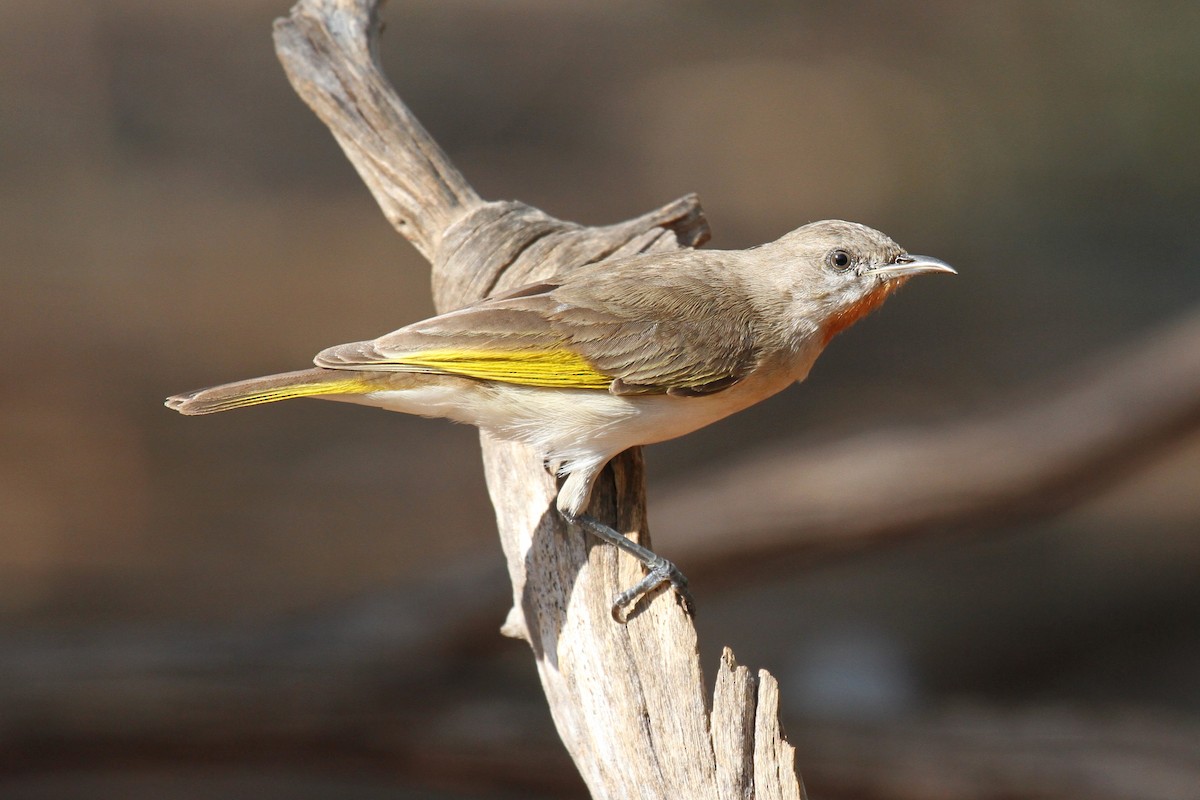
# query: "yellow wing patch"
559,368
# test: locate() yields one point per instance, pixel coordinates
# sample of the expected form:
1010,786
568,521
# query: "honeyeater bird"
613,354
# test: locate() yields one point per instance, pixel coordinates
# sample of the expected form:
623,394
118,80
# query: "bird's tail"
252,392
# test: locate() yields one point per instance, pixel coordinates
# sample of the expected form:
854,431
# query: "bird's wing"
631,331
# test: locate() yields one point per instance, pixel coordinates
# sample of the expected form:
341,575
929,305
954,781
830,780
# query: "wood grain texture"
628,700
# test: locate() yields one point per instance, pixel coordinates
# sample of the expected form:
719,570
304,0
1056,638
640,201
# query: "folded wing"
627,328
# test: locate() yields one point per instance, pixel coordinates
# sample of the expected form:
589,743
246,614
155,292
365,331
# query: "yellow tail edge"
271,389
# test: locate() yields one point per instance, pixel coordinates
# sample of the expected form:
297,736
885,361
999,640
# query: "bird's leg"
660,570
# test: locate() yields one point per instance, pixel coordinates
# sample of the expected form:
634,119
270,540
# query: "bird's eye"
839,260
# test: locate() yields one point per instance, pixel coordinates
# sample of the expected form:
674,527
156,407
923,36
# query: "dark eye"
839,260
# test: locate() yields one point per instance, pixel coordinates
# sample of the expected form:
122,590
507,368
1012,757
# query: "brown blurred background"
172,216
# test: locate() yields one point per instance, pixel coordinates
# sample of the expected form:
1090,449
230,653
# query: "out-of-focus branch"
984,753
978,754
193,686
1062,445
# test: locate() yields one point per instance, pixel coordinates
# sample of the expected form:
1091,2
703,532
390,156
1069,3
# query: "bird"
613,354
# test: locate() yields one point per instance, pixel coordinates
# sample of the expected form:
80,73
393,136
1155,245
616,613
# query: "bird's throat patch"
843,319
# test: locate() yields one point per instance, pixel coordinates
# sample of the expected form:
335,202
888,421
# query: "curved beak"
906,266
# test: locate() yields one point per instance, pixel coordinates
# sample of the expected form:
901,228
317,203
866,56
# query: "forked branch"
629,700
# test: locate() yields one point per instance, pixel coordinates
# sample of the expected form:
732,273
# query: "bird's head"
841,271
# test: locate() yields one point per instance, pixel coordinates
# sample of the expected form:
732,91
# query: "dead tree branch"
629,701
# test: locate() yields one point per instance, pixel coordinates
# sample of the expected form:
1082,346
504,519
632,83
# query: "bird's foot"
660,570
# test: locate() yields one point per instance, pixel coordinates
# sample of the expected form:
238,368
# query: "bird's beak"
906,266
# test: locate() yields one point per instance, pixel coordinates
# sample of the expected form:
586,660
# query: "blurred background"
173,216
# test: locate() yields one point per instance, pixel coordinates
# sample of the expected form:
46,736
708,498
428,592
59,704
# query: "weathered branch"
629,701
328,50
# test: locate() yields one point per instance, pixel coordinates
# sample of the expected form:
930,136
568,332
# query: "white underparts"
578,430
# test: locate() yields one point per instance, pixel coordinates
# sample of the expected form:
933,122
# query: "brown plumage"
653,324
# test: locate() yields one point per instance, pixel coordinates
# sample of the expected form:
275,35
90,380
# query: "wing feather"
631,326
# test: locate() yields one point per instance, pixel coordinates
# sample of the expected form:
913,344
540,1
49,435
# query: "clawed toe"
659,570
660,573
